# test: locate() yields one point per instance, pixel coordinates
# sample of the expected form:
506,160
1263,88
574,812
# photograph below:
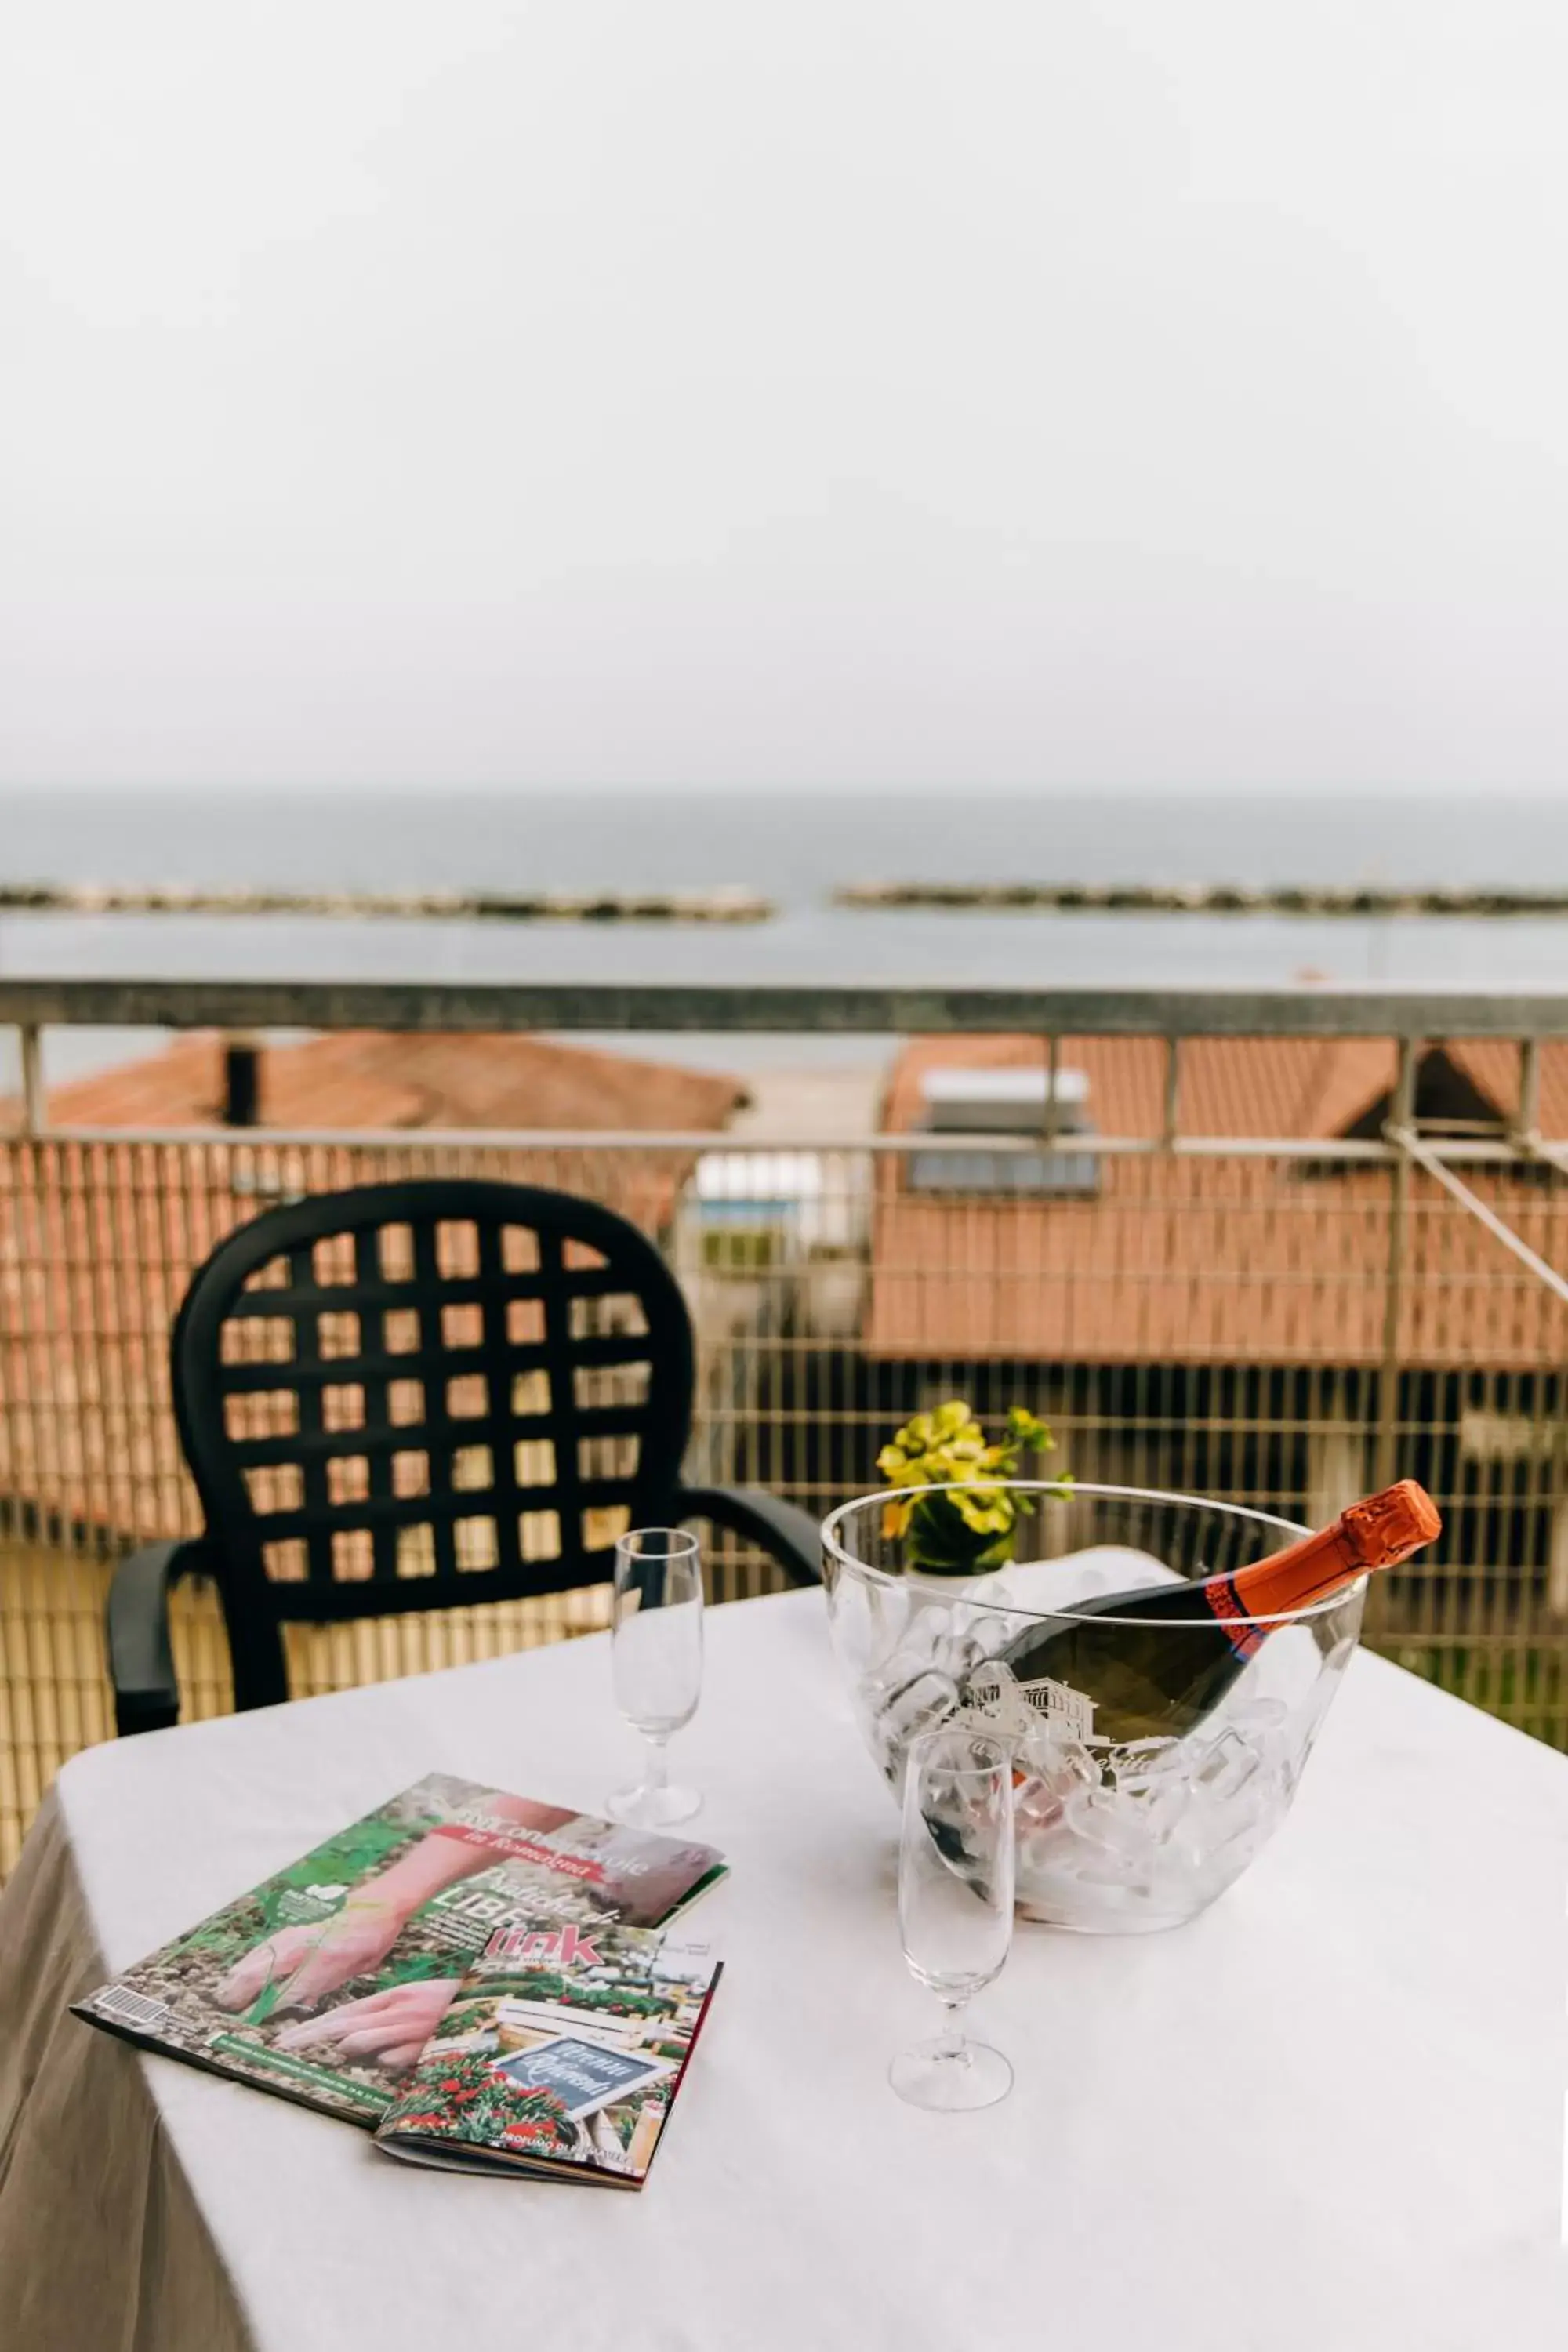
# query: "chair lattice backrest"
415,1395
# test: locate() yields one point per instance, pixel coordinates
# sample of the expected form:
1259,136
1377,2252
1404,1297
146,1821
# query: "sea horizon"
795,850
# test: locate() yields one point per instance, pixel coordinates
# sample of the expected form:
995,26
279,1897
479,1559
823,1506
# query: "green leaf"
940,1540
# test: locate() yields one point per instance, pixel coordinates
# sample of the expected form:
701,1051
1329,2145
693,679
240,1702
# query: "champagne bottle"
1162,1674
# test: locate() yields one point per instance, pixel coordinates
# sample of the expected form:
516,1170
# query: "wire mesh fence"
1252,1325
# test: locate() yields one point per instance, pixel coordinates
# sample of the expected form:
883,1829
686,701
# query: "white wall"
864,391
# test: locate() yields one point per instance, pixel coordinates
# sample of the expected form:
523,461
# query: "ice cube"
960,1649
1037,1807
1056,1770
1260,1719
1227,1766
1113,1841
918,1705
1162,1805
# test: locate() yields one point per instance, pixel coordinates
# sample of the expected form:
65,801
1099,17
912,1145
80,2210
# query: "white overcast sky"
1049,393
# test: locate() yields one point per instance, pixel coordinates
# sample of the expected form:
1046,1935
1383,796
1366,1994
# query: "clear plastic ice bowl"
1115,1838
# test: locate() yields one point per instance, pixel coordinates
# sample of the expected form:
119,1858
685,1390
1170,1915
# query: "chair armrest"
787,1533
136,1628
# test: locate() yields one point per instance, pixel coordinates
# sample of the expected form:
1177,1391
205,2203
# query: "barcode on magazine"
132,2008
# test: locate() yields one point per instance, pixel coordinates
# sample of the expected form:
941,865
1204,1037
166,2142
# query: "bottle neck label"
1310,1571
1244,1637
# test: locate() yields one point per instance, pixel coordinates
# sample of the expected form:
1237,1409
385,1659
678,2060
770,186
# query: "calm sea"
795,851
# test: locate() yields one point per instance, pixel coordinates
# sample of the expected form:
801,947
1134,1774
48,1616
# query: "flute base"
955,2082
653,1809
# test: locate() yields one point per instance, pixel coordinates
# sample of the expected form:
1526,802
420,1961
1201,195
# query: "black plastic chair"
413,1396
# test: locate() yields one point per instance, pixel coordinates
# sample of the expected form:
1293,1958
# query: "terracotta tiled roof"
375,1077
1239,1260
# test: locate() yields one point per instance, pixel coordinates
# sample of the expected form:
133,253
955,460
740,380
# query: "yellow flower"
947,1447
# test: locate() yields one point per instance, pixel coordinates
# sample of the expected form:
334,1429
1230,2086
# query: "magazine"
560,2054
326,1983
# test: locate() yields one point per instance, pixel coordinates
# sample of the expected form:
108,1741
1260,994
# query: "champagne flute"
656,1653
955,1909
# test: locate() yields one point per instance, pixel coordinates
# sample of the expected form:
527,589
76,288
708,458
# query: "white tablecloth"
1329,2115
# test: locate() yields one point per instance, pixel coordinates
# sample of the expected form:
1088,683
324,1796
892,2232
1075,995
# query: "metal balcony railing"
1310,1240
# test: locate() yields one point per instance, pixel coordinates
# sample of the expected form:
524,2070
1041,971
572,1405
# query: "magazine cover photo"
564,2047
325,1982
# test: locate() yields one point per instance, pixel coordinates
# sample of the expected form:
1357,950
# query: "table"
1328,2115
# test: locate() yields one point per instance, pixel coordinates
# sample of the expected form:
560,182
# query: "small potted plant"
971,1529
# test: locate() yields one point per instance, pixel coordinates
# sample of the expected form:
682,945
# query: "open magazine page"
325,1983
562,2053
